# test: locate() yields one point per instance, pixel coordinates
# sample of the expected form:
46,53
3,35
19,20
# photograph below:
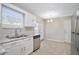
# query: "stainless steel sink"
19,36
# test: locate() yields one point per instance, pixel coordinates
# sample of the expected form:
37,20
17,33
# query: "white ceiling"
49,10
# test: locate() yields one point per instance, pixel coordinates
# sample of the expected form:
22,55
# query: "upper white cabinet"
29,20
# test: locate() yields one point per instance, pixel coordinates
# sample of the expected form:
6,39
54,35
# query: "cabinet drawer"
11,44
8,45
24,46
28,49
27,42
16,50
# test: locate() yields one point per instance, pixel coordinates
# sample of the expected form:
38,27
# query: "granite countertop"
15,39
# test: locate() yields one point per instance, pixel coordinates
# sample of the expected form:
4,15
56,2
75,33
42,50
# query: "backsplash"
4,32
11,32
27,31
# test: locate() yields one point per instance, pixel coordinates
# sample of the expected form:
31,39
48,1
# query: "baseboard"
59,41
55,40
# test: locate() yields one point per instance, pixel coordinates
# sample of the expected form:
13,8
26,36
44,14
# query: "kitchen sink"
18,36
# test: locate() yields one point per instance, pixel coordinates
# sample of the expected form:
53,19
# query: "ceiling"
49,10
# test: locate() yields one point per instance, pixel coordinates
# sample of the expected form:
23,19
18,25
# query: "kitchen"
17,36
24,32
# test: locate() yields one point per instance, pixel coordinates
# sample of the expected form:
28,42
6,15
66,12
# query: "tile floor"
53,48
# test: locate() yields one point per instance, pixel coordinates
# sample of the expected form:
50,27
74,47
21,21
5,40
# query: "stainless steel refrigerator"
75,33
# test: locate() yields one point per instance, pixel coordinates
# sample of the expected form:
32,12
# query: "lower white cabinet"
28,46
21,47
16,50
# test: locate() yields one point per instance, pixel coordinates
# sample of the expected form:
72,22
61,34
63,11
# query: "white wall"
41,27
0,14
59,30
67,29
55,30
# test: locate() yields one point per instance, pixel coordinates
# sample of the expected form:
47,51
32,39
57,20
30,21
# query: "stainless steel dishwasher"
36,42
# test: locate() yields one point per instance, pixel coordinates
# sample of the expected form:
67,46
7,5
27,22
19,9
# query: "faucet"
16,32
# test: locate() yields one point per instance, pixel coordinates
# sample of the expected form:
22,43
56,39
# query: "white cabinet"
27,46
15,50
21,47
36,29
12,48
29,20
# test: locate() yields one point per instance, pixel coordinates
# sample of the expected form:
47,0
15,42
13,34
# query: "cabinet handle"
21,49
24,48
77,33
77,49
73,32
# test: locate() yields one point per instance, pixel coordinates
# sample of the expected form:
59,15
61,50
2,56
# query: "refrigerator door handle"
77,33
73,32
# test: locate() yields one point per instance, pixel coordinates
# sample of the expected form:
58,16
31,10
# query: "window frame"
12,8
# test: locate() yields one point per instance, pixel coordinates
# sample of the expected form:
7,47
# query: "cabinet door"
27,45
29,20
21,47
16,50
29,48
13,48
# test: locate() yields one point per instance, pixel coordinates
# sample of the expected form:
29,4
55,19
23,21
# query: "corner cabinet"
29,20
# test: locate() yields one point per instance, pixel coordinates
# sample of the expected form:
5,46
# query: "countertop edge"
16,39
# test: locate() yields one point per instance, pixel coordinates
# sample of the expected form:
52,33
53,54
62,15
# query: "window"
11,16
